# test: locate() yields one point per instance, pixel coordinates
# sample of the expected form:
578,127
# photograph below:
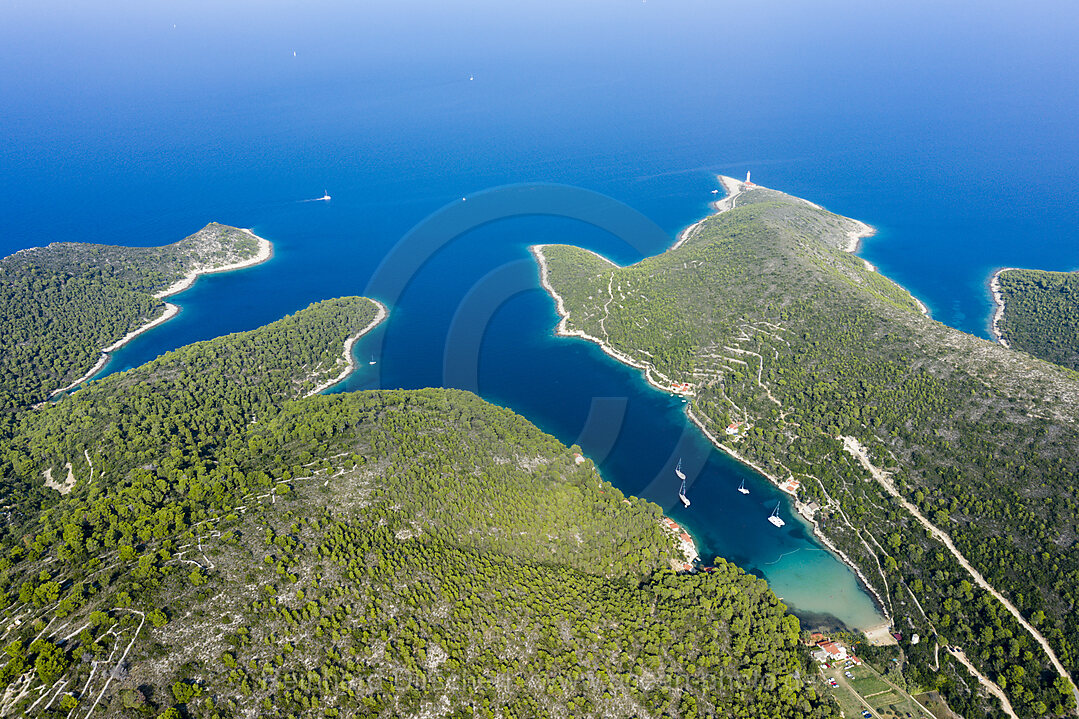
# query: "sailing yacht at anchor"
682,476
742,487
774,518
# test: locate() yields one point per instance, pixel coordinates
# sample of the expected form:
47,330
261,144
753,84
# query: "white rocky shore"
265,252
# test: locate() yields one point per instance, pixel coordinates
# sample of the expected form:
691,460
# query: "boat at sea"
774,517
678,471
742,487
325,196
372,360
682,494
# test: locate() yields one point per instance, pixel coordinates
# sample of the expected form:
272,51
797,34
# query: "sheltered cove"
878,632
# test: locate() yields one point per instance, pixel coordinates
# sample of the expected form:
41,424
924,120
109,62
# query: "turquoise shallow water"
137,124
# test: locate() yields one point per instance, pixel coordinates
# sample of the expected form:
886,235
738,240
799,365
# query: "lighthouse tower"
748,183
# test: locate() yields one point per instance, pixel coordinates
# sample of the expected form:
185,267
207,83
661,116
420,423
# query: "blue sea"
950,127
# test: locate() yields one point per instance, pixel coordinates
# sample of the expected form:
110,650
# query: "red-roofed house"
834,650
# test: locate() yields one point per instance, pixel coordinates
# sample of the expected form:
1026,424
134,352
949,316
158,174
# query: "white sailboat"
372,360
774,518
325,196
682,494
742,487
678,471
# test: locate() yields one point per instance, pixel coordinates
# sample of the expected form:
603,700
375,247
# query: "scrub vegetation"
61,304
777,327
1041,314
231,549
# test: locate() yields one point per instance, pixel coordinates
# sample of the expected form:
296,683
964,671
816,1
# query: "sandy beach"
171,311
921,305
350,362
265,252
880,635
886,622
854,243
650,374
735,187
998,301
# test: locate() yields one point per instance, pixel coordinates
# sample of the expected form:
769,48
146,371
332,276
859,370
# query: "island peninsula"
940,465
231,544
1037,311
67,305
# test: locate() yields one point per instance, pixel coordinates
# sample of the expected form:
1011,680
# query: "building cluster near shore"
684,389
685,543
809,511
829,651
790,485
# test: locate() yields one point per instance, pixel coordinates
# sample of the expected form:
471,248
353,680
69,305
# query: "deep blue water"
950,129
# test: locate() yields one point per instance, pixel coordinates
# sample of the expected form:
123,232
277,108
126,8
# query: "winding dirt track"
993,688
855,448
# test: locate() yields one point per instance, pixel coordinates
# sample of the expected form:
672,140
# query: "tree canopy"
1041,314
61,304
378,553
773,324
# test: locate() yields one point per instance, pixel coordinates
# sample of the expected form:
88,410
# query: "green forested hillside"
1041,314
192,403
230,549
775,326
60,304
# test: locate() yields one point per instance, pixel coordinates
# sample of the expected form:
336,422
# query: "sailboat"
774,518
742,487
325,196
372,360
682,494
678,471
